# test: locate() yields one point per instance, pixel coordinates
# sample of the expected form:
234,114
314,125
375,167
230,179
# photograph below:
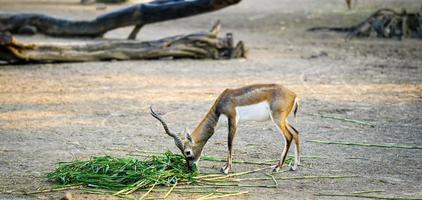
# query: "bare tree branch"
203,45
136,15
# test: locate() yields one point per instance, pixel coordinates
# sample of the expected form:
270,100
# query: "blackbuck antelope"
259,102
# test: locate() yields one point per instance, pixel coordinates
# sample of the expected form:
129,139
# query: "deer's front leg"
232,133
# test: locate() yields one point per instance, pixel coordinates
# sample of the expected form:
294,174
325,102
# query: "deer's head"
185,144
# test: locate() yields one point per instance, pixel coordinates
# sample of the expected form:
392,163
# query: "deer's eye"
187,153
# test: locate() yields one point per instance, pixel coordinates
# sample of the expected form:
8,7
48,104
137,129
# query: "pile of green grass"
124,173
106,175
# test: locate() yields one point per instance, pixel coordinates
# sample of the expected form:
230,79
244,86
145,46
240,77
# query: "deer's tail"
297,105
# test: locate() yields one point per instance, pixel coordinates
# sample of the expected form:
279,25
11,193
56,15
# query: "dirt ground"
59,112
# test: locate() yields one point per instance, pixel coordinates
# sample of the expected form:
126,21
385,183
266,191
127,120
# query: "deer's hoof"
293,168
276,168
225,169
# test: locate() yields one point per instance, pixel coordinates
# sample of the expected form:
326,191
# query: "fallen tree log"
202,45
385,23
137,15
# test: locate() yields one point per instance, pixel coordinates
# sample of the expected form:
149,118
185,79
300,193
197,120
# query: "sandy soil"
59,112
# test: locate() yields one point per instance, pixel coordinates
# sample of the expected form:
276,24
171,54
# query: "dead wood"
137,15
385,23
202,45
349,4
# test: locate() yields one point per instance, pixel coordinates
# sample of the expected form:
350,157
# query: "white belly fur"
256,112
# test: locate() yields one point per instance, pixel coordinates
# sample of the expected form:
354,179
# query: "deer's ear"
187,134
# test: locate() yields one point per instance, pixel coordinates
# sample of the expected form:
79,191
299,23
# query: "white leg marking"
285,147
297,155
225,169
296,159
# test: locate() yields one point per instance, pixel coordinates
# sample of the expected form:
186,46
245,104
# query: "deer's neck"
205,129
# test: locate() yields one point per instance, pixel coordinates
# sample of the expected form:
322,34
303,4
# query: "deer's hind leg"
296,139
280,122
